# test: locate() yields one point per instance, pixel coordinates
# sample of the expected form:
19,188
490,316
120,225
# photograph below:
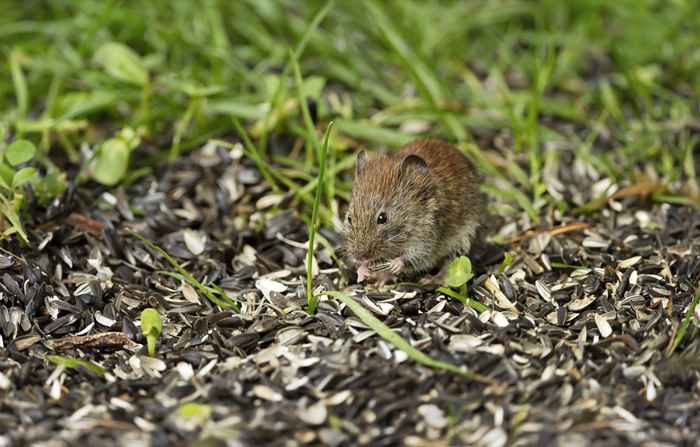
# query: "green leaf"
507,262
23,176
6,175
121,62
112,162
9,209
151,327
69,362
191,415
20,82
459,272
452,294
20,151
683,328
395,339
370,132
76,104
192,410
313,86
310,299
236,108
51,185
474,304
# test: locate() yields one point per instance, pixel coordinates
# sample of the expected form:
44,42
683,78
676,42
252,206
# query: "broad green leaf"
459,272
151,327
23,176
112,162
69,362
395,339
20,151
121,62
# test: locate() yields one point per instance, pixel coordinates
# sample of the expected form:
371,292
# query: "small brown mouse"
411,209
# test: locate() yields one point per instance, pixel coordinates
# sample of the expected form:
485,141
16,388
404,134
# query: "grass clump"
608,82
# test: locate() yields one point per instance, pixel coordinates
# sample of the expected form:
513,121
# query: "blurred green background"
516,83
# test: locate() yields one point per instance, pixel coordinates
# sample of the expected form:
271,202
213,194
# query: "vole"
411,209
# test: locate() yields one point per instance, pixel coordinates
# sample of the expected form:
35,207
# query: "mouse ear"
360,164
416,163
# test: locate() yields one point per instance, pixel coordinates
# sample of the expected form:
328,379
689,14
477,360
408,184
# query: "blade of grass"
181,126
20,84
70,362
374,134
425,80
477,306
225,302
395,339
306,115
312,302
277,99
683,330
254,154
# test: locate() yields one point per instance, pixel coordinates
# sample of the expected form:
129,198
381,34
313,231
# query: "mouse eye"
381,219
349,219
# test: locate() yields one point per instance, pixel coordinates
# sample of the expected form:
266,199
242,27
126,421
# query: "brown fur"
431,213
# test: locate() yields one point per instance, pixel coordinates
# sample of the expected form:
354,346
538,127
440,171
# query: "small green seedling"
459,272
70,362
151,328
111,161
12,180
507,262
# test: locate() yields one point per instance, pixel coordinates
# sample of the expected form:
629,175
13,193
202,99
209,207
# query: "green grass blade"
366,131
225,302
477,306
306,115
426,82
70,362
392,337
254,153
311,300
685,324
20,84
277,98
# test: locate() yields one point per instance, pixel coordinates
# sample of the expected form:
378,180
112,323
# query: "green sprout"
459,272
151,327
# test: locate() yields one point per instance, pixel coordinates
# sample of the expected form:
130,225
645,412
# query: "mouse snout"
367,253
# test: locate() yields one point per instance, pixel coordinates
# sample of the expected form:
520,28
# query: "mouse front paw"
396,265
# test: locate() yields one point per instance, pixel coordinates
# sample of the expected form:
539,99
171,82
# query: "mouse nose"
365,253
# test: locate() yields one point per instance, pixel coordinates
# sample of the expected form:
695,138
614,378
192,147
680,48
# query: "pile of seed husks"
576,338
